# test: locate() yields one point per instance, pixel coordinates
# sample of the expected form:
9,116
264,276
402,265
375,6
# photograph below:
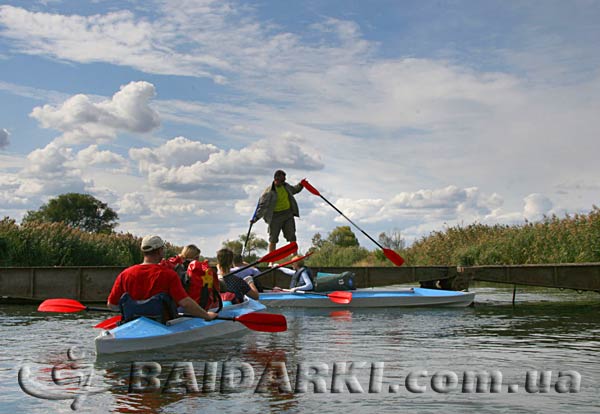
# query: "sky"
408,116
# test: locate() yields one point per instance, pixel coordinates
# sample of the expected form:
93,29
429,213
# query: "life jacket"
296,277
198,280
180,266
159,307
203,285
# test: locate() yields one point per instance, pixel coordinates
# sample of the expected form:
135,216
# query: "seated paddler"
143,288
301,276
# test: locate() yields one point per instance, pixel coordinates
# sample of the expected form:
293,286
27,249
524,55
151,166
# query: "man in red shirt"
149,278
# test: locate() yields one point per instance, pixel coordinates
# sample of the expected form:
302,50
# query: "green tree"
343,236
81,211
317,241
394,241
254,245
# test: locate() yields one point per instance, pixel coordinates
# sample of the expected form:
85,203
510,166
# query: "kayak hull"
144,334
372,298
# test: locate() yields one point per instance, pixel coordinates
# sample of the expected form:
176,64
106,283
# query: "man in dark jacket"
278,207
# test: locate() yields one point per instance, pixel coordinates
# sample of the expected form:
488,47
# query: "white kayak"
145,334
371,298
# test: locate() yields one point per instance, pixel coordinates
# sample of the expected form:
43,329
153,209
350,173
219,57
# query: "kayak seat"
160,308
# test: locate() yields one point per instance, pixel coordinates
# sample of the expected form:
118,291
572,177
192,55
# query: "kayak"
371,298
145,334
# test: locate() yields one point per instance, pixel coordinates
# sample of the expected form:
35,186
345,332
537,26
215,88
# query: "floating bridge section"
92,284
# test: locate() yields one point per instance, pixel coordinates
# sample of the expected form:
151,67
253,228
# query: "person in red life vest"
232,283
150,278
197,278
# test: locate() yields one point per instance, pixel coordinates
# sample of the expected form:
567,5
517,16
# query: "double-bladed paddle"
249,229
297,259
338,296
389,253
273,256
263,322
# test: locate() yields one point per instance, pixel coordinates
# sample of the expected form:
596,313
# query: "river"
543,355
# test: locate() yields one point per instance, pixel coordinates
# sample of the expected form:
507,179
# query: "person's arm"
307,283
295,189
253,292
286,271
190,306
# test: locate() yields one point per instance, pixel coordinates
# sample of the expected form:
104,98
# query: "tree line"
79,230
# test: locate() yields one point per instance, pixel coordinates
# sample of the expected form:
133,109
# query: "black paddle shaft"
343,215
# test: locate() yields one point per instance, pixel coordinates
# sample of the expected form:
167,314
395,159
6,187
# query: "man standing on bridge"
278,207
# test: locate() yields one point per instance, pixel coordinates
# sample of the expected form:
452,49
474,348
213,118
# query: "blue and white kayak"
371,298
145,334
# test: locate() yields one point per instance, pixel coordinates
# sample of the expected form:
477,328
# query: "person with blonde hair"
301,276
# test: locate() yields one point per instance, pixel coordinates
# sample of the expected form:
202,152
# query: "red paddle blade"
309,187
280,253
263,322
61,305
297,259
109,323
340,297
393,256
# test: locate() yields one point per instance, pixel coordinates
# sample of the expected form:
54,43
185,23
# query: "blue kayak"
371,298
146,334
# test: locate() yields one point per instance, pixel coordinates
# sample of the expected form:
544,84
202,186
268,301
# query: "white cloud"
83,121
4,138
536,206
132,204
185,166
93,157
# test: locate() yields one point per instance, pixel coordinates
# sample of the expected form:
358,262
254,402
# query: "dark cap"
279,173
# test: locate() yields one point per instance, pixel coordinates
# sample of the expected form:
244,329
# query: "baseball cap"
150,243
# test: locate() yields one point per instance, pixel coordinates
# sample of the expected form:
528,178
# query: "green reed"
56,244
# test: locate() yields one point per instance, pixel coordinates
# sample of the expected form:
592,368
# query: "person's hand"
211,316
276,289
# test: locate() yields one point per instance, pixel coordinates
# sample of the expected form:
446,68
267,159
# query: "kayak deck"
146,334
372,298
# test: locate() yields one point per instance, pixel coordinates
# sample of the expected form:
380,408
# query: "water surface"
349,361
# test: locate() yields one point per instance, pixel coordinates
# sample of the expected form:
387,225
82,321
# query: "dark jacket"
266,204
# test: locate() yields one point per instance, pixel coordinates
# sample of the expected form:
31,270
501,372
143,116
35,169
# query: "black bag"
327,282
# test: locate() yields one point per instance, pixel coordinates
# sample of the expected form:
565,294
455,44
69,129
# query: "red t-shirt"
143,281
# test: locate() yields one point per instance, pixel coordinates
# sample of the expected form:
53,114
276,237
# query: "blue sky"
407,115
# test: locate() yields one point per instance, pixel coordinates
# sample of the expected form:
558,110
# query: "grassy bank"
570,239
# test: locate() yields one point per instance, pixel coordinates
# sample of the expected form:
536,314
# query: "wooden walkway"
92,284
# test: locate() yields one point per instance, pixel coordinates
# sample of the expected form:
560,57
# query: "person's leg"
274,229
289,229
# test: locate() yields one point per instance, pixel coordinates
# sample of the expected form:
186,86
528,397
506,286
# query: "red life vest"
199,281
204,285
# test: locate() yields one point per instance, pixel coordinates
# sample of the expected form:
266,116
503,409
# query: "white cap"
150,243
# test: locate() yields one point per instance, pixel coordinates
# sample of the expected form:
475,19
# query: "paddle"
263,322
273,256
109,323
249,229
297,259
389,253
338,296
67,306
